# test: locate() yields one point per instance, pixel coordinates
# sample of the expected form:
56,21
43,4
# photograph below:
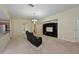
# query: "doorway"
77,30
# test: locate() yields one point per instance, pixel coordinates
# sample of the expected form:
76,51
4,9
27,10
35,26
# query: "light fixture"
34,20
31,5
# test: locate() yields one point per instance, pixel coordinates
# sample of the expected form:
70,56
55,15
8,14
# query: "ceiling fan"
34,17
31,5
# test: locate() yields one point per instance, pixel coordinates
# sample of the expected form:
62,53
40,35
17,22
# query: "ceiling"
40,10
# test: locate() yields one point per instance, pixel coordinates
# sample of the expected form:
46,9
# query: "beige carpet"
20,45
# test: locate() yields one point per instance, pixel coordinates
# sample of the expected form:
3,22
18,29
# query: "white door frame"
75,29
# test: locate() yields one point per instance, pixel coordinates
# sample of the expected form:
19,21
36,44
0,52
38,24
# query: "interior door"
77,30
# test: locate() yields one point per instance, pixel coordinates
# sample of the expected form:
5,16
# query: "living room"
52,24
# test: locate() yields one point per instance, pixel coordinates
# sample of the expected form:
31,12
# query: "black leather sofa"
36,41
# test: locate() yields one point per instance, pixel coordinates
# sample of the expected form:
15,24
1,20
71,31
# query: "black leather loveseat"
36,41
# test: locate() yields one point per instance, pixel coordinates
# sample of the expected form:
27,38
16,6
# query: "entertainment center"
50,29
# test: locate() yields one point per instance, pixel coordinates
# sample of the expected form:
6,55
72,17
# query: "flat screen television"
49,29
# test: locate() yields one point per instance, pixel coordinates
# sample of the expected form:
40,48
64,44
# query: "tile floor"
20,45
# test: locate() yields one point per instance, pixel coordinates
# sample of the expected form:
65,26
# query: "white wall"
65,23
19,25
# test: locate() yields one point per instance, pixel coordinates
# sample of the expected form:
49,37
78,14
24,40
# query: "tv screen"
49,29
